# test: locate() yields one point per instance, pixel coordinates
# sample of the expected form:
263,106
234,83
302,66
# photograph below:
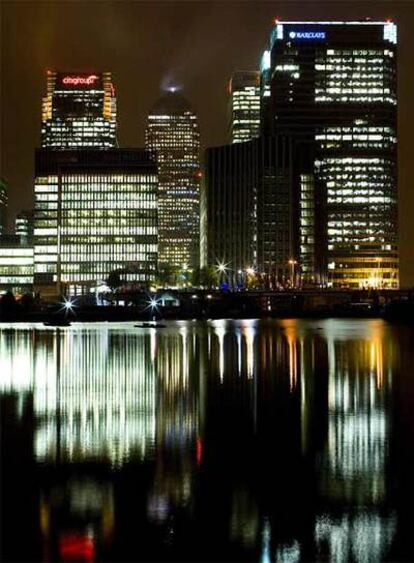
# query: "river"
248,440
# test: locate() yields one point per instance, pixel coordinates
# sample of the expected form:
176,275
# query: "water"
223,440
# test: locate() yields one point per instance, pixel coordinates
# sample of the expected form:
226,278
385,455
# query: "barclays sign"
311,35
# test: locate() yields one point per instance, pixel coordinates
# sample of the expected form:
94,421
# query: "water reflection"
267,440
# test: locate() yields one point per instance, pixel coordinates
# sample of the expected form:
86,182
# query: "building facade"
244,90
333,86
16,265
173,133
230,188
24,225
79,110
250,209
95,213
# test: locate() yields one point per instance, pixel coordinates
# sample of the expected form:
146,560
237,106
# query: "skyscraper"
96,213
244,90
250,213
172,131
79,110
333,86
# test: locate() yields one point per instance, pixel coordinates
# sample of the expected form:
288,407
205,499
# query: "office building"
173,132
333,86
95,213
24,225
16,265
3,205
229,214
79,111
250,209
244,90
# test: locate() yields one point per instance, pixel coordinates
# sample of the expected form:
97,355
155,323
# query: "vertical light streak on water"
291,338
220,331
239,352
248,332
358,437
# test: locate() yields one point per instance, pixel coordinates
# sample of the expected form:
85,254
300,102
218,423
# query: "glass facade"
250,209
173,132
95,215
334,85
24,225
244,89
79,110
16,267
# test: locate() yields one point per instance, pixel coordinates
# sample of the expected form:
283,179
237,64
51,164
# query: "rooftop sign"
79,80
307,35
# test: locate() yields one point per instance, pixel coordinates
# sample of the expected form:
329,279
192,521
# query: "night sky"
196,45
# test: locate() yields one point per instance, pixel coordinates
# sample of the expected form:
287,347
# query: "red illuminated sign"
80,80
77,547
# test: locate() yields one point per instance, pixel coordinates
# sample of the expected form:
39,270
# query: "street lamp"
292,263
222,268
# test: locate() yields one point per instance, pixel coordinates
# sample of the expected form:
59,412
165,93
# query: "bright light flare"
153,304
221,267
68,305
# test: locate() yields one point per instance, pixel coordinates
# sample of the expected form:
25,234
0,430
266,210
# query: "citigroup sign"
79,80
307,35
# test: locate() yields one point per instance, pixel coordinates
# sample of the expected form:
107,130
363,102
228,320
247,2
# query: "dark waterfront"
265,441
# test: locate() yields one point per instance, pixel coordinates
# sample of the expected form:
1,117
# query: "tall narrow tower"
173,132
244,89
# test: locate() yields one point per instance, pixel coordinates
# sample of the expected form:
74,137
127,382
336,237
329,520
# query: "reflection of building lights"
350,536
358,424
239,353
291,337
220,331
249,335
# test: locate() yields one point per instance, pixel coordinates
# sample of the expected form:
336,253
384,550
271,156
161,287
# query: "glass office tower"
173,132
244,90
249,208
334,86
24,225
16,265
95,213
79,110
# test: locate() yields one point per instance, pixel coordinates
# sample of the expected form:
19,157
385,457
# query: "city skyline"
242,55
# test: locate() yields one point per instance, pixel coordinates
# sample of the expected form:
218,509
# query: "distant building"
333,86
24,225
95,213
173,132
16,265
250,212
3,205
244,89
79,111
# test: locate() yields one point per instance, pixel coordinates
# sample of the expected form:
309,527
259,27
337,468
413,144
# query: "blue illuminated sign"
307,34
